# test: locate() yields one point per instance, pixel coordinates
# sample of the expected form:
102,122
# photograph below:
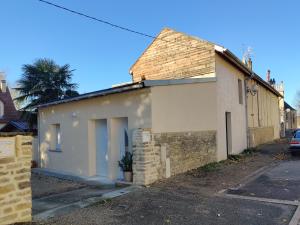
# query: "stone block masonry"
260,135
174,55
146,159
157,156
15,188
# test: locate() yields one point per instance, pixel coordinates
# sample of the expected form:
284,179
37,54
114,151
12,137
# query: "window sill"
55,150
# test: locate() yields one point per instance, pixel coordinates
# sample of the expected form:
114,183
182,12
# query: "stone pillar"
146,158
15,171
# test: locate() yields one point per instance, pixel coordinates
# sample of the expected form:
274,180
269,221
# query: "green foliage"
249,151
44,81
211,167
215,166
234,157
245,153
126,162
30,117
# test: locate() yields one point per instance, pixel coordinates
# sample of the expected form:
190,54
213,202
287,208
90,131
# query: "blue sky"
102,55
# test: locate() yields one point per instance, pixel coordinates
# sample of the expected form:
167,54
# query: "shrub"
249,151
126,162
211,167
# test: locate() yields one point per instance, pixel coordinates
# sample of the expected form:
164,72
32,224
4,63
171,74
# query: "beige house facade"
290,117
190,103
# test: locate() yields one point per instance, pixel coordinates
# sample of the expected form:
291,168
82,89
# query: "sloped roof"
21,126
233,59
129,87
113,90
288,106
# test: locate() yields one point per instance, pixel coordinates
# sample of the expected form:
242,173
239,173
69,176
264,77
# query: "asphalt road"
280,182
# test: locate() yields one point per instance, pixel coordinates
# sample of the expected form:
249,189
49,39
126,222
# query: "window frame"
56,140
1,109
240,92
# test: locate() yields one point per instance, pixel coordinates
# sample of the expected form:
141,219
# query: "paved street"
257,189
155,207
279,182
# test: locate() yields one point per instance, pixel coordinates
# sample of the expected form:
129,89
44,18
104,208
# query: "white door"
101,148
123,142
228,133
118,144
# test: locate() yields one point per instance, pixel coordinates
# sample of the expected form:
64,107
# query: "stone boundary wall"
260,135
158,156
15,171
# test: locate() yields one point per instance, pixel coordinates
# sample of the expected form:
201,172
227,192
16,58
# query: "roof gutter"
130,87
114,90
238,63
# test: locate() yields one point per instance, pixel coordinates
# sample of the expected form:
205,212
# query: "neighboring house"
298,121
19,126
190,103
290,117
8,110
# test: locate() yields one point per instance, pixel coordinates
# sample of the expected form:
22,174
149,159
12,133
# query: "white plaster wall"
78,154
35,152
117,146
263,109
185,107
228,101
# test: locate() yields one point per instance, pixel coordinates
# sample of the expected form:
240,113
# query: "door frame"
228,133
98,145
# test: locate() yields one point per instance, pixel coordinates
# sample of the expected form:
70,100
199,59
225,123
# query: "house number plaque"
7,147
146,136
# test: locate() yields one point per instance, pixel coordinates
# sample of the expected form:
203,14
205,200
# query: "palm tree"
44,81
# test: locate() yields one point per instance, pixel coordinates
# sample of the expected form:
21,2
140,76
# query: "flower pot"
128,176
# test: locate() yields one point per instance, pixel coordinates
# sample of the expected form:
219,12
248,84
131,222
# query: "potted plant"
126,165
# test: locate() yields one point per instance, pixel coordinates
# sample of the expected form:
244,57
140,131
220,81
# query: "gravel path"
43,185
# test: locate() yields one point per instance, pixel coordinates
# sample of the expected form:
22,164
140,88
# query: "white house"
190,103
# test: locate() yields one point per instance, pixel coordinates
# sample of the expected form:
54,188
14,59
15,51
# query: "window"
1,109
56,138
294,120
240,86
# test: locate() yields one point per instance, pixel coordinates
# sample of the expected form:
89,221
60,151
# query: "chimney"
249,63
268,76
2,82
3,86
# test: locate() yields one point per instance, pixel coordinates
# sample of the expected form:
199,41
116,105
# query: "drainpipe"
39,138
246,109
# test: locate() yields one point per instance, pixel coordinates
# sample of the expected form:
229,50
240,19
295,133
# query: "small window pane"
1,109
58,137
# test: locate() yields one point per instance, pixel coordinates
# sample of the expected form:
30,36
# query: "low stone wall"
146,158
261,135
158,156
15,189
